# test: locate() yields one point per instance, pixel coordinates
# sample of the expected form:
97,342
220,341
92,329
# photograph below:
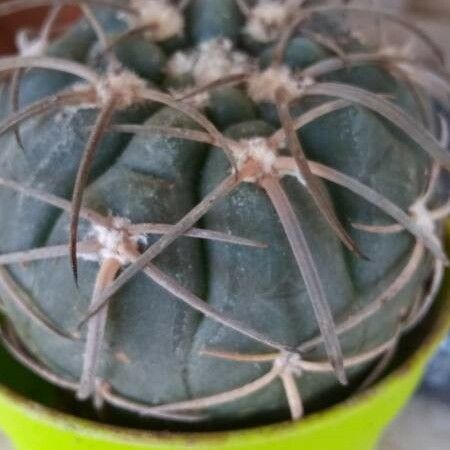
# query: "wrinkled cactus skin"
152,344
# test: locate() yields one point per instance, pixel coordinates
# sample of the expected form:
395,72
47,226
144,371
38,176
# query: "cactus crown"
121,249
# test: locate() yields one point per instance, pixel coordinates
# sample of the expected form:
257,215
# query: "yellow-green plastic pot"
356,424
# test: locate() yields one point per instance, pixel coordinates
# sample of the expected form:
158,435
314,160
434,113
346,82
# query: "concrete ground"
425,424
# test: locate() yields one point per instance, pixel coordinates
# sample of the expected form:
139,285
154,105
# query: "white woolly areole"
263,86
210,61
425,220
163,20
111,241
289,362
268,19
423,217
254,149
28,46
124,87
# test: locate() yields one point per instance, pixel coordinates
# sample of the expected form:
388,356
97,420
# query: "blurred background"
425,424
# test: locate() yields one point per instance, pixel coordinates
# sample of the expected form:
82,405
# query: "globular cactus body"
229,323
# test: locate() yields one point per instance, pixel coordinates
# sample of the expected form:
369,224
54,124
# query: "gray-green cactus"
245,193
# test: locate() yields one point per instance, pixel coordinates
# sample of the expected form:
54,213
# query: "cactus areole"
217,211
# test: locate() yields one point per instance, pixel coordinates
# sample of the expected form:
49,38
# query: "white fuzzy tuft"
269,18
28,46
423,217
263,86
180,63
112,241
289,362
211,61
256,149
425,220
125,87
163,20
260,151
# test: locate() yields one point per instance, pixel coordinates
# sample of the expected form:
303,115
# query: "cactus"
218,211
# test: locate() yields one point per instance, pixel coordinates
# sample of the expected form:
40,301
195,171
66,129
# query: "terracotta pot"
29,19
